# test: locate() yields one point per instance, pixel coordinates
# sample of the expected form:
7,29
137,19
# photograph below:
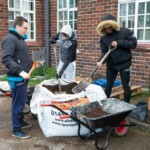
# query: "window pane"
147,34
17,13
140,34
131,22
31,17
11,15
25,5
31,6
11,3
32,35
123,9
71,24
71,3
71,15
122,21
141,8
148,21
141,21
131,8
60,3
65,23
148,7
76,3
60,15
75,25
25,15
29,35
75,15
60,25
17,4
10,23
65,15
31,26
64,3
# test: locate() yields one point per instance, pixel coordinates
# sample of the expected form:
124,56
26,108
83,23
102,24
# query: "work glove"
57,76
60,73
24,75
36,64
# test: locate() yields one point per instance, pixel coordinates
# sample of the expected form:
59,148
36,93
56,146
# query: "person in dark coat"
66,39
16,58
119,60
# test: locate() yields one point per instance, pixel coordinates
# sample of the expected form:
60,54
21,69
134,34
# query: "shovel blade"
80,87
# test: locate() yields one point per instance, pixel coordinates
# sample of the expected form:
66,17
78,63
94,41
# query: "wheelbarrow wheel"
121,130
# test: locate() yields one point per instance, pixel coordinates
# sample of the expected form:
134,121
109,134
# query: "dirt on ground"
136,139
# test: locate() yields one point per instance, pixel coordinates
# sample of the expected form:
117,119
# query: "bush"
48,73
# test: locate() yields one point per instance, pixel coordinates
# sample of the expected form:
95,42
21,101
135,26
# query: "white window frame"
67,9
136,15
22,11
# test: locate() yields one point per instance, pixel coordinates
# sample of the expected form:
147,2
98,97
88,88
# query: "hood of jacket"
67,30
107,21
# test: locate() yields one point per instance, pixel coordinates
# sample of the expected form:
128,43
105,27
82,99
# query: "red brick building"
83,15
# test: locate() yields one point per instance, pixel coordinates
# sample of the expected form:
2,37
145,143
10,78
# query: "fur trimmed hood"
107,21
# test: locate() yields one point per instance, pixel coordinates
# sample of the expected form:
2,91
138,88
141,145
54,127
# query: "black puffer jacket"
121,57
15,54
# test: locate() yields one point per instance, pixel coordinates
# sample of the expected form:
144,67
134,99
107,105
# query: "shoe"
20,134
26,125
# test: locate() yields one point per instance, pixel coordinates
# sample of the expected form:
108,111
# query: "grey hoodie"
67,47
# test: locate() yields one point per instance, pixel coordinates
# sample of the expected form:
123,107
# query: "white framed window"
67,13
135,14
25,8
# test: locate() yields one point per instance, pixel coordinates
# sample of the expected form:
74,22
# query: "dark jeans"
19,98
111,75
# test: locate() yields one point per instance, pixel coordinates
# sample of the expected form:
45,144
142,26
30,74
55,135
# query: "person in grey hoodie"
15,57
67,41
119,60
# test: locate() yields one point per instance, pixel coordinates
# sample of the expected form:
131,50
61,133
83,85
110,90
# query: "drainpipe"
47,33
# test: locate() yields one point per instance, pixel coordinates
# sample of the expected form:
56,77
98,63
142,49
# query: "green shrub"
48,73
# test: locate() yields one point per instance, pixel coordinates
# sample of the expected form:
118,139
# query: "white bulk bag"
49,118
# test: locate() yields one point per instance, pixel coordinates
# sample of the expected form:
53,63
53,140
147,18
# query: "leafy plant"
48,73
4,78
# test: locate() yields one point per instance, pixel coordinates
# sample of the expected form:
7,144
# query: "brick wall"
3,26
89,14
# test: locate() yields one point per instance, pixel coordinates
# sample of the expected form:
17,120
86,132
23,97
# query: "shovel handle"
106,55
93,72
35,65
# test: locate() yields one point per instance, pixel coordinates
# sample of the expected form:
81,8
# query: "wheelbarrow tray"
116,110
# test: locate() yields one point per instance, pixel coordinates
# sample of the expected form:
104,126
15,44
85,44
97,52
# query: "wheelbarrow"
111,113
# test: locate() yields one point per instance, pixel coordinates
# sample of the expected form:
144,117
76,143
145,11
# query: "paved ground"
137,138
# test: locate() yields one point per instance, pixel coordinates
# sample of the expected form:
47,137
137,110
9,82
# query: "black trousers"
111,75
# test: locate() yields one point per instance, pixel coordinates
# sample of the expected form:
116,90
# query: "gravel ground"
136,138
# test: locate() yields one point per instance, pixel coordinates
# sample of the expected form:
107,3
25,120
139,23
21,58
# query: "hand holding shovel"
83,84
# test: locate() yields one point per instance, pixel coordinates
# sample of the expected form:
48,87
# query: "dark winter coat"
15,54
121,57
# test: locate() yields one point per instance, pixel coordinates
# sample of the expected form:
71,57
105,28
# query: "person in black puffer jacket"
67,41
119,60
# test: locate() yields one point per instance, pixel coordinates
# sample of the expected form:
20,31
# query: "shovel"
56,62
84,83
